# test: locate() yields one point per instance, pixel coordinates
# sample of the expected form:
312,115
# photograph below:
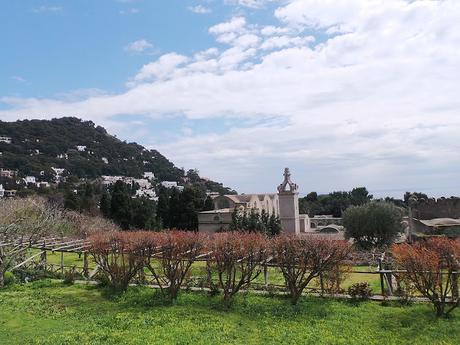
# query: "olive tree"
375,224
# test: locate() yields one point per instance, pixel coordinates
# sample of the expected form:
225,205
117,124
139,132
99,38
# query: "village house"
8,173
5,139
149,175
81,148
30,179
2,191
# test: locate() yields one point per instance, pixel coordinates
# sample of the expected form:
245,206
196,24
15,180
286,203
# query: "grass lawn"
47,312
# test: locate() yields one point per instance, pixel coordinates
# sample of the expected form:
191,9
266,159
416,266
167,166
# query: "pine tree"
120,206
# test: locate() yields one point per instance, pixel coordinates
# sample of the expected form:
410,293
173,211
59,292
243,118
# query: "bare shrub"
119,255
237,258
170,257
24,221
301,259
83,226
432,269
360,291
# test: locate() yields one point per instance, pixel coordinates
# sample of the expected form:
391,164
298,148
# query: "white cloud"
49,9
18,79
130,11
373,102
249,3
200,9
138,46
235,25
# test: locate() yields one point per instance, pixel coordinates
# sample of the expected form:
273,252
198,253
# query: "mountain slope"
83,149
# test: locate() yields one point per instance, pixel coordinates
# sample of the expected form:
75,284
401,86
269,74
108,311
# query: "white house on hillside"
2,191
6,140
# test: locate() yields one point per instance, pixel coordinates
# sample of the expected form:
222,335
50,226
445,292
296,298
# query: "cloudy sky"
344,92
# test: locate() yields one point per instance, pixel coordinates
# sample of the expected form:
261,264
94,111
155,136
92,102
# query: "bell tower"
288,195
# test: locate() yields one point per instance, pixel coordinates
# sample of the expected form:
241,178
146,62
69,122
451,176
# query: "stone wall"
440,208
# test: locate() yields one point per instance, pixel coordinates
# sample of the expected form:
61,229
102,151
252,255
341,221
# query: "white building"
81,148
169,184
284,204
105,160
2,191
58,172
6,140
149,175
30,179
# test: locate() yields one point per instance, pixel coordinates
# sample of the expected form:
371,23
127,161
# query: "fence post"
266,275
454,286
382,284
321,283
62,262
85,265
43,256
208,273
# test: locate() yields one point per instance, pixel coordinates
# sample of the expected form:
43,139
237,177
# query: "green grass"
47,312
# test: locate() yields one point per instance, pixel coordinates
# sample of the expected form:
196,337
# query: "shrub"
237,258
360,291
431,267
332,279
119,255
9,278
175,251
69,277
301,259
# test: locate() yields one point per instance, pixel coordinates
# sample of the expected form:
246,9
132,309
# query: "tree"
360,196
104,204
23,221
375,224
71,201
237,258
302,259
208,204
120,209
432,268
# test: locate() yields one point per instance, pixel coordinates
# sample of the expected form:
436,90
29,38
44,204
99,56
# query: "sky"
345,93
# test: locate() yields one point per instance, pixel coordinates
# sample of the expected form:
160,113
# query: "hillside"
84,150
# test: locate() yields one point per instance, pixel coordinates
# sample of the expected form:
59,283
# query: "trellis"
81,247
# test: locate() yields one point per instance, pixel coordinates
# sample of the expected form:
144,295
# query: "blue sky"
349,93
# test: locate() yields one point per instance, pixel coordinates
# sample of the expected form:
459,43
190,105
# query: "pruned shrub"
431,267
170,256
302,259
237,258
360,291
119,256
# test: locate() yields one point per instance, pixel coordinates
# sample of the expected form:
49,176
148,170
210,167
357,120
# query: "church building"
284,204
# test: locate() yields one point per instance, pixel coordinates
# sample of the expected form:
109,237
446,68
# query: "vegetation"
303,259
360,291
62,136
238,259
46,312
334,203
432,269
27,220
270,225
375,224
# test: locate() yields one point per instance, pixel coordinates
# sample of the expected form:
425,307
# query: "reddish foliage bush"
174,252
119,255
432,269
237,258
301,259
